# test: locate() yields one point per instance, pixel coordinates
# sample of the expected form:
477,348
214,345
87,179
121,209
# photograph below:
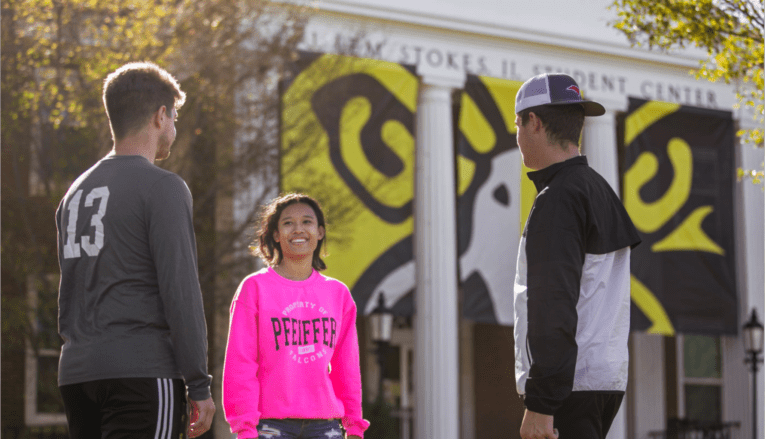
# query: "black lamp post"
753,345
381,325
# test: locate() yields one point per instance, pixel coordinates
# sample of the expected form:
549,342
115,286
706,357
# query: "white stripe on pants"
165,408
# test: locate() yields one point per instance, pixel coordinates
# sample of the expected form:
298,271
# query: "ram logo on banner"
489,168
347,127
678,189
490,207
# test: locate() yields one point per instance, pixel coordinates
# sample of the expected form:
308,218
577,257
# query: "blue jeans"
301,429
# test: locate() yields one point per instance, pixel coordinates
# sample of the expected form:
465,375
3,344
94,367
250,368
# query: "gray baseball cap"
554,89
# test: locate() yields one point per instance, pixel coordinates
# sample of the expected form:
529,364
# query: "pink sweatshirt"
292,353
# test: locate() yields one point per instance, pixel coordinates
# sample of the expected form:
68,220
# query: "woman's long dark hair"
266,248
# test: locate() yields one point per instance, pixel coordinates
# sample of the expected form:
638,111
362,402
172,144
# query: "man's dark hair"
134,92
563,123
266,247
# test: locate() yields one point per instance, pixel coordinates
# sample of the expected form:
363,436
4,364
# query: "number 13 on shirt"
91,245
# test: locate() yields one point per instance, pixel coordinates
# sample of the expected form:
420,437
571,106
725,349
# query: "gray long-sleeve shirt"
130,304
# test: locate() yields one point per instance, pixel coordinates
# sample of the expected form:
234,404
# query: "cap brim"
591,108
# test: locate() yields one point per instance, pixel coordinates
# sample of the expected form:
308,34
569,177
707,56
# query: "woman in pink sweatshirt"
292,360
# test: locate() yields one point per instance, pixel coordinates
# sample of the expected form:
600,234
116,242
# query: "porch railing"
405,418
684,429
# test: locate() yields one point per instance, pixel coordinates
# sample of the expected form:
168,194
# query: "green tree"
730,31
228,56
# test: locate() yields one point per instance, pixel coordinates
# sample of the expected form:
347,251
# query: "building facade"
445,233
450,370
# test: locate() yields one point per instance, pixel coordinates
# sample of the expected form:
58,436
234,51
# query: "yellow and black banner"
677,183
347,139
493,197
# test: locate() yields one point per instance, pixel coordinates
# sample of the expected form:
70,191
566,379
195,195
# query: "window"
43,404
700,378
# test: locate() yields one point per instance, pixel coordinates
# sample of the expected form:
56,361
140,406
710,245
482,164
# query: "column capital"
612,106
608,118
441,77
599,143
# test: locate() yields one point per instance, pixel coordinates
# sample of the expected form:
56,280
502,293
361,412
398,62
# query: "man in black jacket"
572,291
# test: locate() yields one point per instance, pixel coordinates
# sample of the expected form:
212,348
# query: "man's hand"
537,426
201,416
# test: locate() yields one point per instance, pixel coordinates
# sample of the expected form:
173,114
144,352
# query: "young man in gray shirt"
130,305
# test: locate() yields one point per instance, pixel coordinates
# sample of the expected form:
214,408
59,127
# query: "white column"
436,344
599,145
750,219
647,399
759,299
